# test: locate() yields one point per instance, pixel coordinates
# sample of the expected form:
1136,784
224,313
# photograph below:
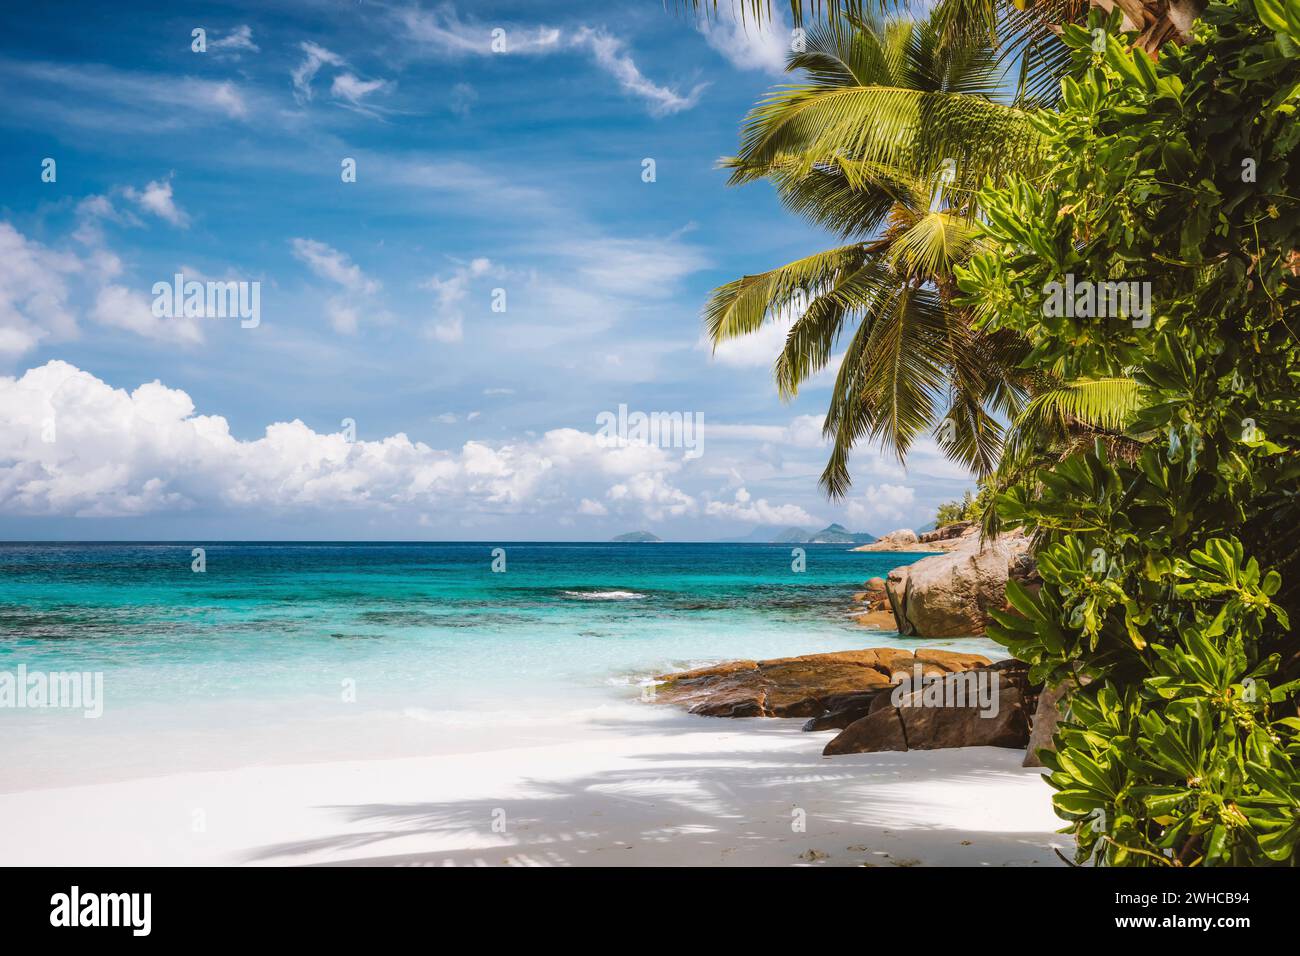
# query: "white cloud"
442,30
744,508
147,450
329,263
653,495
348,87
119,307
156,198
151,101
448,325
637,268
591,508
343,311
610,54
449,331
33,293
749,46
315,56
239,40
883,502
804,431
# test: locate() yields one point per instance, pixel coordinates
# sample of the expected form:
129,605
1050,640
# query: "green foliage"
884,139
970,508
1166,545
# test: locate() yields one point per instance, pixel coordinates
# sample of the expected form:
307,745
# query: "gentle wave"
604,595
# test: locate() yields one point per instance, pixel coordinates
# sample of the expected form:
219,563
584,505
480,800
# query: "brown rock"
937,728
807,686
876,620
904,539
848,710
949,531
923,725
878,731
951,595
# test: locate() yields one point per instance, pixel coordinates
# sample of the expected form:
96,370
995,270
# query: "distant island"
831,534
637,537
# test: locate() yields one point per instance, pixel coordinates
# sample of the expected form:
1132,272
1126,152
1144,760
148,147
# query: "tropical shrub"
1167,542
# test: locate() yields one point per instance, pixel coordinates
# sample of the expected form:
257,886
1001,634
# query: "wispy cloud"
237,41
442,30
122,97
344,311
314,57
610,54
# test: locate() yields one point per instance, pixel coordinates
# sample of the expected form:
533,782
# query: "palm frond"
743,305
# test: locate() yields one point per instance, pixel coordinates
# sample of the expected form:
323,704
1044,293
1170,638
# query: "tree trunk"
1157,21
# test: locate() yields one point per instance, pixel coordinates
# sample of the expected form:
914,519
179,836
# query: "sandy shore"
678,791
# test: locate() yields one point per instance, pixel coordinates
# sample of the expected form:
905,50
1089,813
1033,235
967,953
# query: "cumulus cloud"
653,495
33,293
156,198
749,46
883,502
119,452
119,307
745,508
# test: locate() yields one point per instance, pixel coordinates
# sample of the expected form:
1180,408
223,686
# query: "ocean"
279,652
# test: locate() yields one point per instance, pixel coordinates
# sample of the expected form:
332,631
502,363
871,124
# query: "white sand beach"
676,790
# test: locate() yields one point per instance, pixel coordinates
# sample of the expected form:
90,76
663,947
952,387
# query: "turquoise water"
256,658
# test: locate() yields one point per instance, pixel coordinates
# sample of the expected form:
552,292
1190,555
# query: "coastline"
676,790
580,770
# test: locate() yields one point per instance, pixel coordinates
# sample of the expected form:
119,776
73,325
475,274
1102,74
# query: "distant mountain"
838,534
833,534
637,537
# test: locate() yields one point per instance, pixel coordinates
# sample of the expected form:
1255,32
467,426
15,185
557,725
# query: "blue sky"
476,171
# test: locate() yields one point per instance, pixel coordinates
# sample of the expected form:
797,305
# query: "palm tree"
885,144
1157,22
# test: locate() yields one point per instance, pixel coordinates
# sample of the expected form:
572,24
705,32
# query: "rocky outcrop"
815,685
951,595
948,538
949,532
904,539
980,707
871,606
